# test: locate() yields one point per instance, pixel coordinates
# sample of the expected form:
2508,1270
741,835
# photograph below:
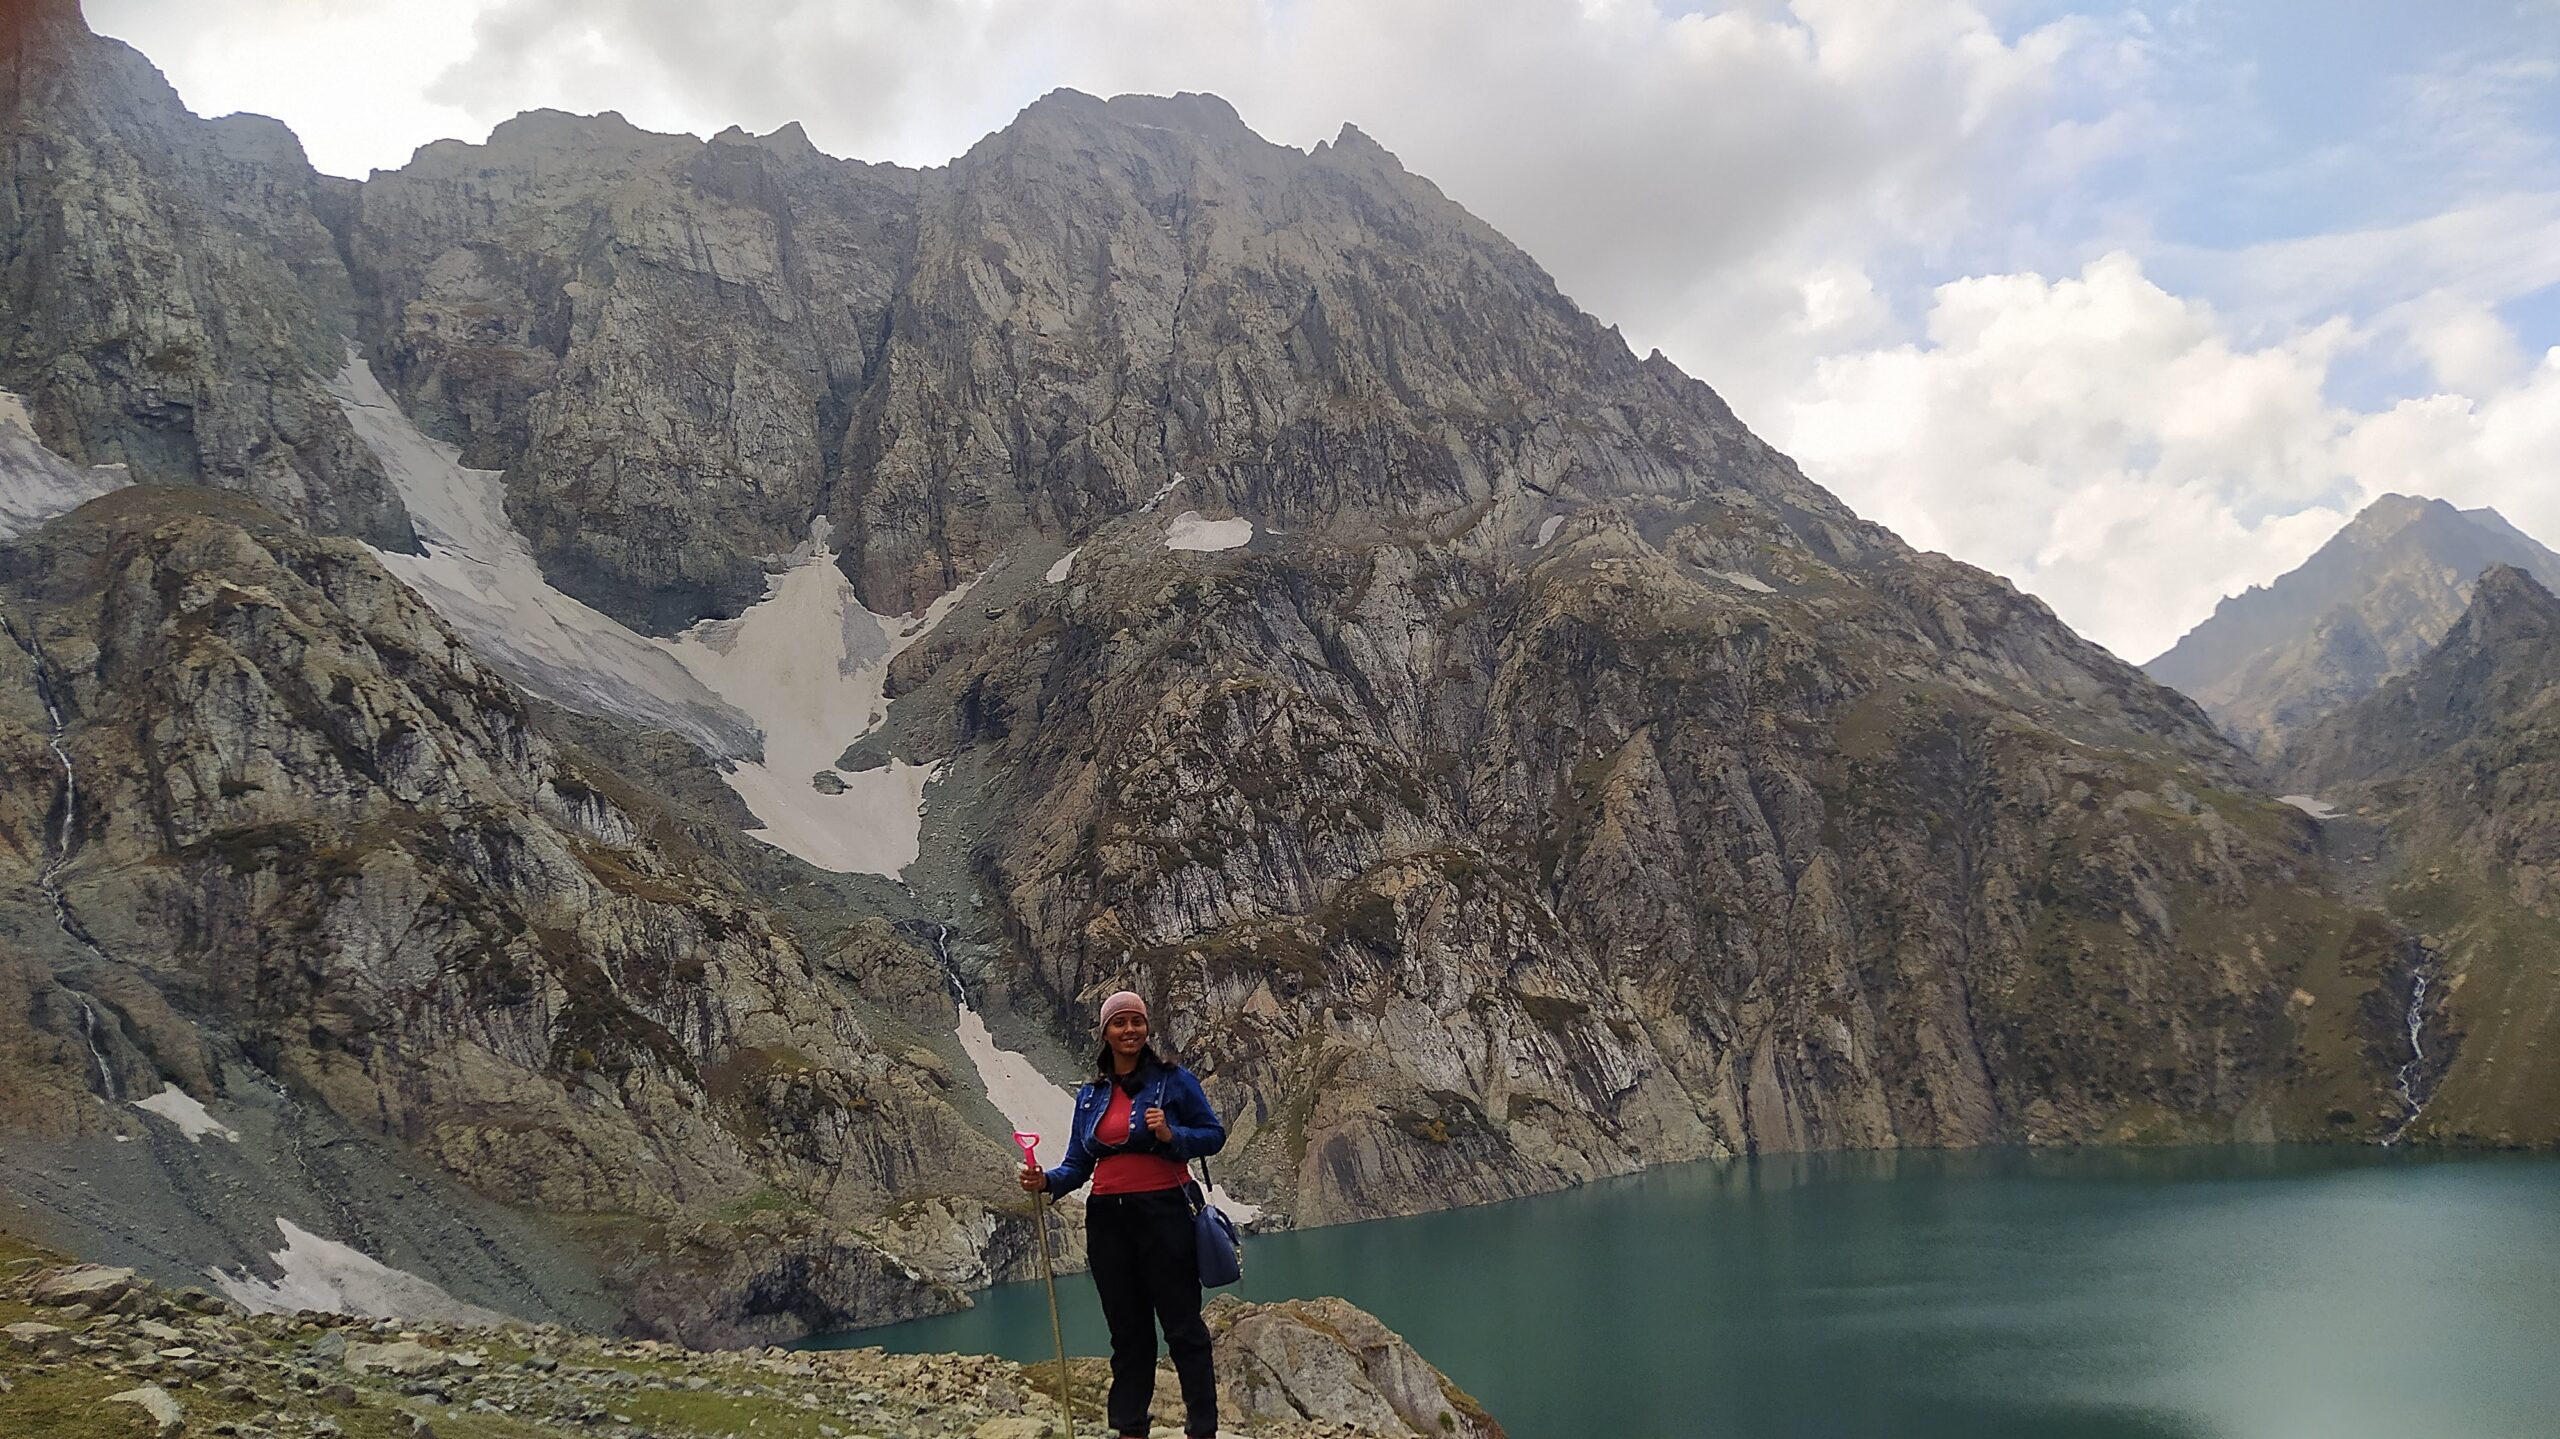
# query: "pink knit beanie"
1122,1003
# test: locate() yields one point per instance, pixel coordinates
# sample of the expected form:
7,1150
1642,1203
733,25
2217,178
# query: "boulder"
1329,1361
155,1401
405,1357
95,1285
32,1337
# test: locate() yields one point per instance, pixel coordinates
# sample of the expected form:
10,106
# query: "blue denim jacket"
1196,1130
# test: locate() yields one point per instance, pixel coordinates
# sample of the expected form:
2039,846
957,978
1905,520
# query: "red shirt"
1130,1173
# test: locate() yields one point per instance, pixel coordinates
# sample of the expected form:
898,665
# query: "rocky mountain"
725,654
2368,605
2457,764
290,833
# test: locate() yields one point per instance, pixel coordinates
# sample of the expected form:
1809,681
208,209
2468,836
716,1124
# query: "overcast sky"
2133,303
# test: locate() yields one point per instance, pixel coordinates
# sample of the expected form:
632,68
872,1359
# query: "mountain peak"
2508,603
2392,512
2395,579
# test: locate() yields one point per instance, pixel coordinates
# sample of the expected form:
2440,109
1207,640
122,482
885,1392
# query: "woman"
1138,1124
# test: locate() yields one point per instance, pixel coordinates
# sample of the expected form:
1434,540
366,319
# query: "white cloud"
2111,447
349,76
2496,450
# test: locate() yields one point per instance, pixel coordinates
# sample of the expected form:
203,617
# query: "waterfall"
939,941
108,1089
2407,1082
60,859
942,955
50,880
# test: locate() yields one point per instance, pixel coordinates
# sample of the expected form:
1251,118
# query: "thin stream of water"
2407,1079
50,880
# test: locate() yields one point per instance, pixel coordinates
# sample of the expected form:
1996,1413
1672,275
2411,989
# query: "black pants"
1146,1267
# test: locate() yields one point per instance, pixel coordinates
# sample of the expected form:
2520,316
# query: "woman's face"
1126,1033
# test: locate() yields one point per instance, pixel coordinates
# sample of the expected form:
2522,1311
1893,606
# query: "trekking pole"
1040,1221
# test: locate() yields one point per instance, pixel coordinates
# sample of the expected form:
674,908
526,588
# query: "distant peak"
1190,112
2505,588
2396,511
553,126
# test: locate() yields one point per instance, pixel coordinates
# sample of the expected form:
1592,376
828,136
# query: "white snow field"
809,666
1065,566
1017,1088
1547,531
1752,583
188,1113
1190,532
797,677
2310,805
480,575
35,483
334,1278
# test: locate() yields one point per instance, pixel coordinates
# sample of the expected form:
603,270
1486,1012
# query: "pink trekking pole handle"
1030,1144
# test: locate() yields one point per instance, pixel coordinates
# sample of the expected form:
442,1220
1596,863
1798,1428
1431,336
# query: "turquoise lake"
2262,1293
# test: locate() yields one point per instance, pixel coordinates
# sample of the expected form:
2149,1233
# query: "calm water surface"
2251,1293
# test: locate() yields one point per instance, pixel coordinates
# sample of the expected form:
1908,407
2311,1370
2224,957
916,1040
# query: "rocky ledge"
99,1353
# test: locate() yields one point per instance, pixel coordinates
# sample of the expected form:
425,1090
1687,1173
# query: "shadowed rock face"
1554,782
2374,600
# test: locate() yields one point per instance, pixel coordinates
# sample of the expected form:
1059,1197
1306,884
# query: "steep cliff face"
2458,763
2371,604
1474,870
174,298
295,822
660,340
1108,295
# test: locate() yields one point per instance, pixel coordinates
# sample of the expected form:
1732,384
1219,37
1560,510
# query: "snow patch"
1241,1211
1158,497
1065,566
480,575
334,1278
1017,1088
188,1113
1190,532
35,483
2314,807
1547,531
810,667
778,692
1749,582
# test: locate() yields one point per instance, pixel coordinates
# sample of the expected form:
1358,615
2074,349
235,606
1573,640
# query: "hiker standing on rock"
1139,1122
